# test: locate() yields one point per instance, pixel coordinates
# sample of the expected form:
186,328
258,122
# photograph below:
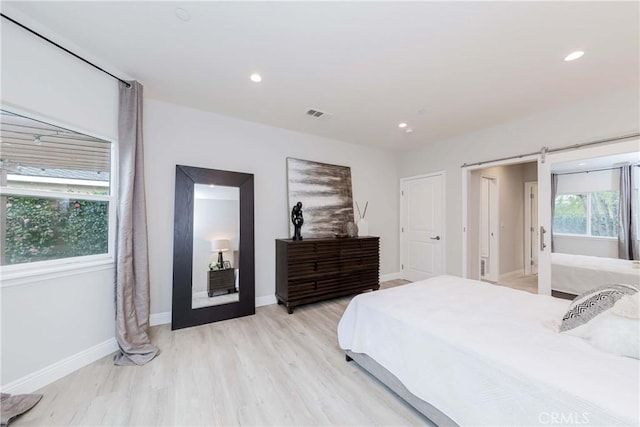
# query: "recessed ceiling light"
408,130
402,125
574,55
255,77
582,164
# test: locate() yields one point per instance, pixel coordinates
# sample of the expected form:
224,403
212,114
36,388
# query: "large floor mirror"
213,261
582,201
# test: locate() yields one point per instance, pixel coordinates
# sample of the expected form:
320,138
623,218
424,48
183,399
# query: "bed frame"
393,383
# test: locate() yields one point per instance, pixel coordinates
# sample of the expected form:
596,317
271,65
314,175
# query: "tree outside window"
587,214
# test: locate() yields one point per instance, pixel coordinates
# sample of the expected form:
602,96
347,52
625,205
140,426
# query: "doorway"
422,218
500,230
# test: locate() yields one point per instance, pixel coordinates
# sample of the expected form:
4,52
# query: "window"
55,193
588,214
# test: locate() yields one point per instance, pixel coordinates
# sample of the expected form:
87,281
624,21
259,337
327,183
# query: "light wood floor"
268,369
524,283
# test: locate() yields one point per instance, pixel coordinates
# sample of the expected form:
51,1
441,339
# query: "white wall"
181,135
212,220
606,180
596,118
47,320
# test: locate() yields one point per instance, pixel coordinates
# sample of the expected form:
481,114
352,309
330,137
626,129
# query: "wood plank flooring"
268,369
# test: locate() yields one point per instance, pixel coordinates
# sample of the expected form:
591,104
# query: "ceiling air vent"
317,114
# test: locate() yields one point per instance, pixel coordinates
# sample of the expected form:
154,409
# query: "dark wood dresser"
314,270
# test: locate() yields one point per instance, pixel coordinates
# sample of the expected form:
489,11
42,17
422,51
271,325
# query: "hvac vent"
317,114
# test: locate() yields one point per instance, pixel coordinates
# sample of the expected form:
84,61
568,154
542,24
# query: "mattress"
575,274
488,355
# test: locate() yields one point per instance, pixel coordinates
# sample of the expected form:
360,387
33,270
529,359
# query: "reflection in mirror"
588,199
216,233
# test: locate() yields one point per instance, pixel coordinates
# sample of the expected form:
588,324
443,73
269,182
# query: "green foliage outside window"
39,229
570,216
592,214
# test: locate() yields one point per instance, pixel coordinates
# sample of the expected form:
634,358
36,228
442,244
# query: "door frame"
494,226
528,185
466,178
443,205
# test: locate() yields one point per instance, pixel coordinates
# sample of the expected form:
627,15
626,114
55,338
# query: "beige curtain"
132,263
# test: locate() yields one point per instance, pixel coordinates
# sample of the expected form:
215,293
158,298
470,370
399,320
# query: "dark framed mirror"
213,246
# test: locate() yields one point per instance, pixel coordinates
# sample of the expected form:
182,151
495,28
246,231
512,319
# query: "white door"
489,217
530,228
422,226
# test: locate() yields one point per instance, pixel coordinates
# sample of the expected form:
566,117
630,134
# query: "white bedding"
486,355
575,274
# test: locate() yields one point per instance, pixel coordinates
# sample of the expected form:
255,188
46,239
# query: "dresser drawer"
309,267
309,250
300,289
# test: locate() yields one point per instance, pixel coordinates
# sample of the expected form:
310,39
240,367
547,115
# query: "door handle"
542,233
435,238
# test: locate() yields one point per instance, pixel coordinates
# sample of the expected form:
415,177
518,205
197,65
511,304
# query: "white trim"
390,276
22,276
516,274
527,230
48,194
40,378
585,237
266,300
156,319
443,203
50,180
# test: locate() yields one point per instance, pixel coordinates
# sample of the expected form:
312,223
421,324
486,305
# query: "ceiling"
445,68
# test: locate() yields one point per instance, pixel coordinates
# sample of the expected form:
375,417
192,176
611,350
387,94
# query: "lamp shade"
220,245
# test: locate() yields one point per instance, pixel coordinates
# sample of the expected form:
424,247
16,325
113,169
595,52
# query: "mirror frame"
182,315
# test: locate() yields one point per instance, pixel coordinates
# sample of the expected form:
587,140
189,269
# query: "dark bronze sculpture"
297,220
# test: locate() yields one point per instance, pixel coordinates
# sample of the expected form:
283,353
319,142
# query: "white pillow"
615,331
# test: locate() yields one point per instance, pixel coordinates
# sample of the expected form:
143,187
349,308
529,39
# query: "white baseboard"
156,319
511,275
266,300
390,276
47,375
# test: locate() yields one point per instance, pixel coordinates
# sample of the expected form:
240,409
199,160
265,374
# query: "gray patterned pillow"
588,305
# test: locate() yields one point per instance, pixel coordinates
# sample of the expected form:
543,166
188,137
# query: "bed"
575,274
469,353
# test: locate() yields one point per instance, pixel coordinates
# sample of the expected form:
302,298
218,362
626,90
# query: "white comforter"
488,355
576,274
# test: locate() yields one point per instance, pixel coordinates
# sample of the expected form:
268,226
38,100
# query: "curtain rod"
63,48
546,150
635,165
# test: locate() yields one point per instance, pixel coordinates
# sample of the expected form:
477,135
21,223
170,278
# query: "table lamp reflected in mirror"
220,245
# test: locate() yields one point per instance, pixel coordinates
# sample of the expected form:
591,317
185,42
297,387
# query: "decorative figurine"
297,220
